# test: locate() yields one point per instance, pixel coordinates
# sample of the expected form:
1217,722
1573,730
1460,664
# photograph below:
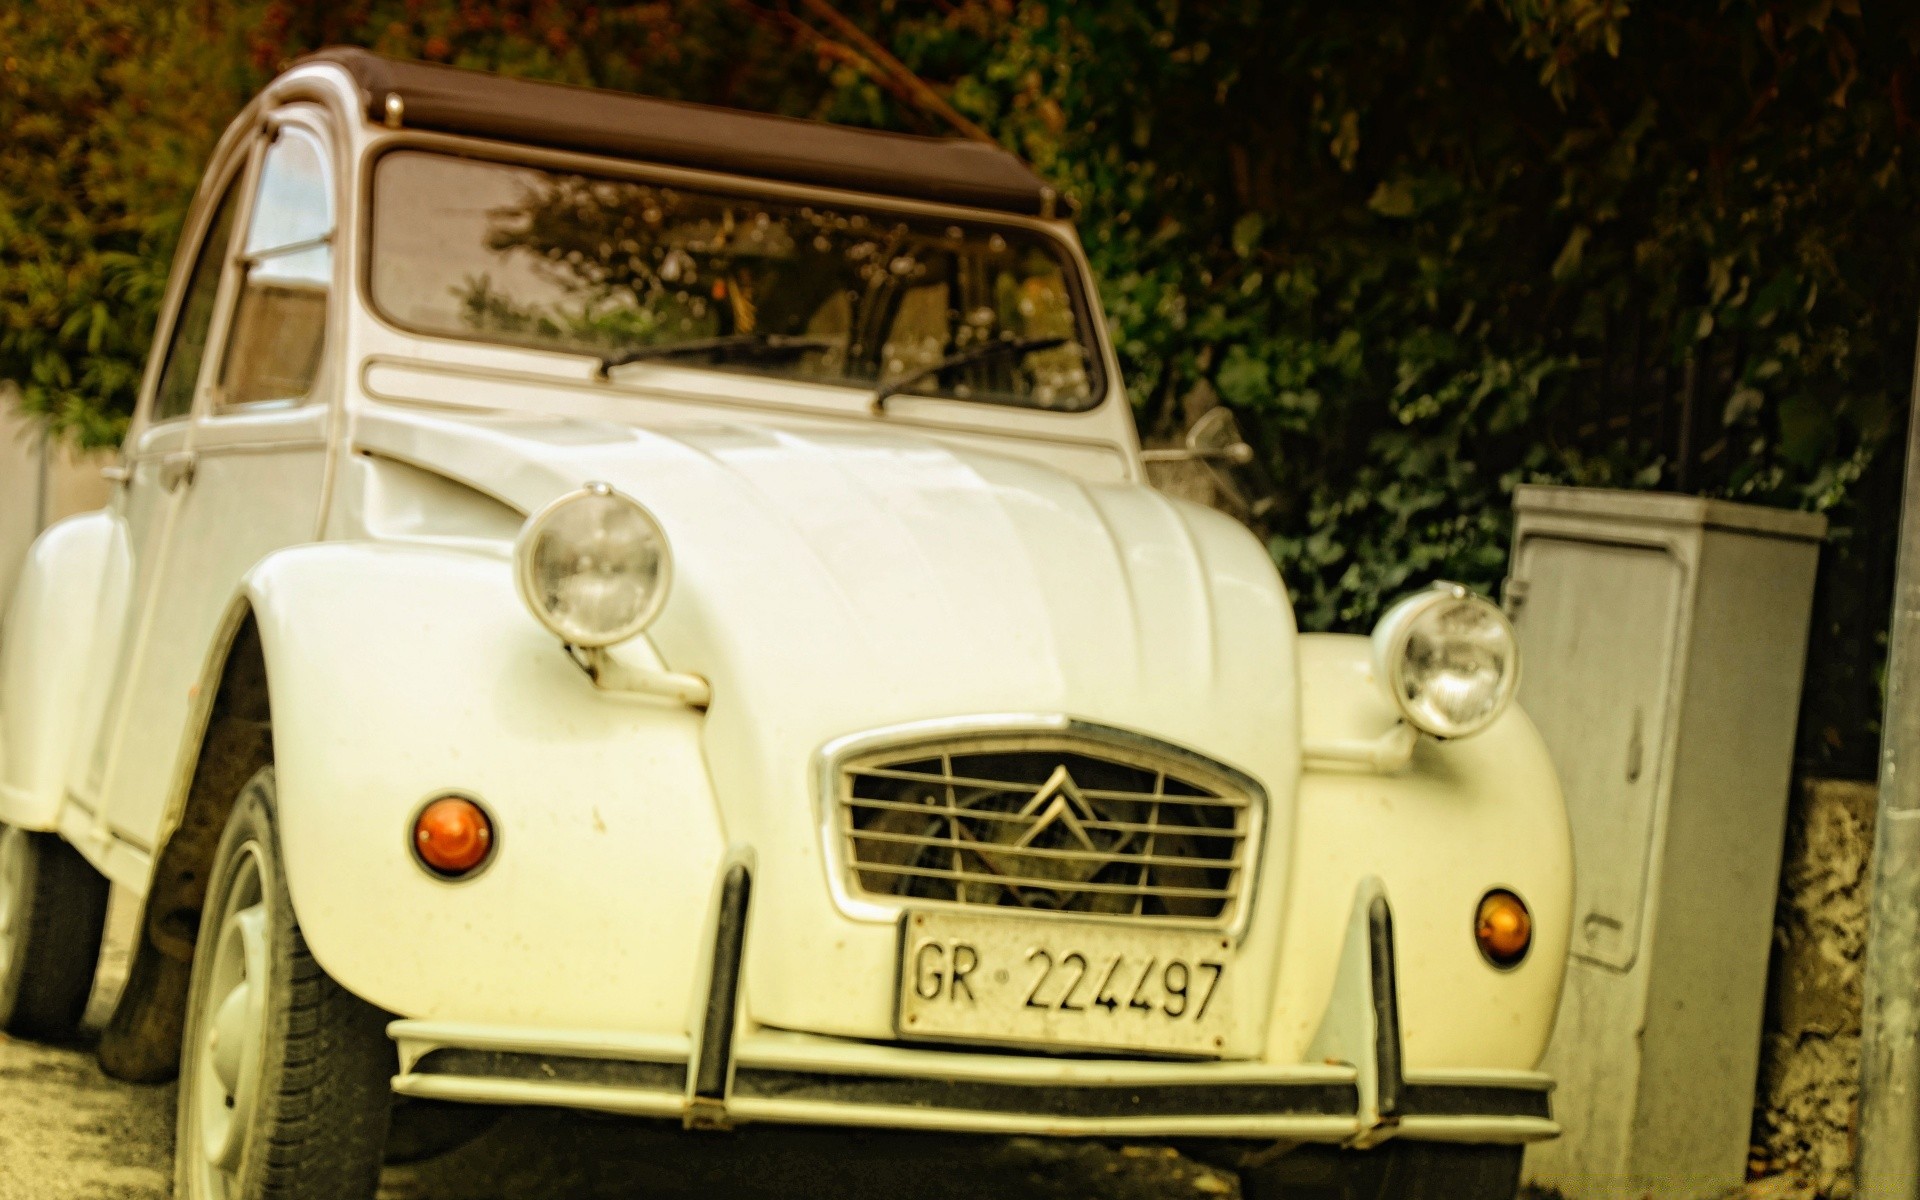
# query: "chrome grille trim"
1164,834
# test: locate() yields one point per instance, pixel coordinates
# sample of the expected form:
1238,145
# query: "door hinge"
176,470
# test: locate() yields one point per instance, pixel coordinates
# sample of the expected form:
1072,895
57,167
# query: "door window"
173,398
280,321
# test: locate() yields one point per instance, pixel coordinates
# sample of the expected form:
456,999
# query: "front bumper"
800,1079
727,1075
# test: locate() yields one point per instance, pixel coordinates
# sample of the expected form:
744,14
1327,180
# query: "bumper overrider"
1354,1091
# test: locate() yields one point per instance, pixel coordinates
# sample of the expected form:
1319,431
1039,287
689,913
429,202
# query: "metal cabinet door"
1605,615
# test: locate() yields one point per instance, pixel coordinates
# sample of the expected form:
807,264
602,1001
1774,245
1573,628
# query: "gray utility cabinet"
1662,643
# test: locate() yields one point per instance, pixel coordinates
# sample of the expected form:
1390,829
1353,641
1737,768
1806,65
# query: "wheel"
1395,1171
53,907
284,1075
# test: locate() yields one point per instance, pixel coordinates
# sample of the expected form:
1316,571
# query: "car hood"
834,583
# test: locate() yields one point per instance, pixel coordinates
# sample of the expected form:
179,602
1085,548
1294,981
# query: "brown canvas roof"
449,100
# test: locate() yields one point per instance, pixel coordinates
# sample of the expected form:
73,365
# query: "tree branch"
921,93
824,46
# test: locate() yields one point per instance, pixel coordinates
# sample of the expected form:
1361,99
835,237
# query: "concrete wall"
38,486
1807,1109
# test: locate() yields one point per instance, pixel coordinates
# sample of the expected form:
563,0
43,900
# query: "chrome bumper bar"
726,1076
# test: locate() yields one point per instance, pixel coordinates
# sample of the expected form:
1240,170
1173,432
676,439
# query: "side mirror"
1214,438
1215,442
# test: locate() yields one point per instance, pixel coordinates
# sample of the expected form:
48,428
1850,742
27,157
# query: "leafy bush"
110,109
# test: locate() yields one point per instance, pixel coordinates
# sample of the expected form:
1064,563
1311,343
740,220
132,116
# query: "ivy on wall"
1425,250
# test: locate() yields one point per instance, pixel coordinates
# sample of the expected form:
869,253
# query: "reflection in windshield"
605,267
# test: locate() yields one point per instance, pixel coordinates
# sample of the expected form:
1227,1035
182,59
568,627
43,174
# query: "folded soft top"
593,120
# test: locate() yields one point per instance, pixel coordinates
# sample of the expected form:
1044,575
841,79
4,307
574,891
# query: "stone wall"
1806,1105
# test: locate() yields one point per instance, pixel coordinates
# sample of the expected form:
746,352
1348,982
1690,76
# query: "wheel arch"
232,741
390,673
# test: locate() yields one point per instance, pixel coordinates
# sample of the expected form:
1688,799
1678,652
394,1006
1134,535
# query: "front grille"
1045,823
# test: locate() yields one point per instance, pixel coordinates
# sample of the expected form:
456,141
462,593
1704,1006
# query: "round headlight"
1449,659
594,567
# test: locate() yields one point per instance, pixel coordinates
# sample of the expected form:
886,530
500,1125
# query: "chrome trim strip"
1389,1053
237,448
416,1039
625,1074
711,1072
461,1090
1045,1099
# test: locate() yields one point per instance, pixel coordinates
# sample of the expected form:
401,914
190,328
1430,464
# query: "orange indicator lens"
452,836
1504,928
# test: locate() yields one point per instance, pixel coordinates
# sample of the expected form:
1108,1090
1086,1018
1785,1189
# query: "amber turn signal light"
1504,928
452,837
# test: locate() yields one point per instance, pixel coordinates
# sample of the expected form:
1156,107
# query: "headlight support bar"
1387,754
628,682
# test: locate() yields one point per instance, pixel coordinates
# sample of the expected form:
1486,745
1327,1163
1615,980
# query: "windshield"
502,252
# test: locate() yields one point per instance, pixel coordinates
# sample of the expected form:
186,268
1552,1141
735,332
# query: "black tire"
1396,1171
53,907
306,1118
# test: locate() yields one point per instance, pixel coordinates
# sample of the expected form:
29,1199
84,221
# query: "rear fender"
54,655
401,673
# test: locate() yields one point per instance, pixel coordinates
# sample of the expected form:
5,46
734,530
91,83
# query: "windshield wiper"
963,358
758,343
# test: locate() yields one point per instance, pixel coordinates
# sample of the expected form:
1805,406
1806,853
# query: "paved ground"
69,1133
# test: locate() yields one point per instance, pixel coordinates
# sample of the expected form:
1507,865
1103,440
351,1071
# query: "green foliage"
1425,250
102,151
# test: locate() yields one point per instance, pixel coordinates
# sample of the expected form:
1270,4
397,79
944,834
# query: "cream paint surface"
925,581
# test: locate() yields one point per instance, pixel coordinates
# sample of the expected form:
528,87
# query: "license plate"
1064,983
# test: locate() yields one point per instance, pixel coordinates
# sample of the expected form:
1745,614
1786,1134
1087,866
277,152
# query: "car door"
255,466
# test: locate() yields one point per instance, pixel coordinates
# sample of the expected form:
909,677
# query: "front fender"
1462,818
397,674
67,605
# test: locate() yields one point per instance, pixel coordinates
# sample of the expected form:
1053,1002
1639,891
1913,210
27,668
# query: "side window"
174,396
280,321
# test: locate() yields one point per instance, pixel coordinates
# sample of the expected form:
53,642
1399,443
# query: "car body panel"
591,914
258,485
1465,817
57,638
143,513
1025,590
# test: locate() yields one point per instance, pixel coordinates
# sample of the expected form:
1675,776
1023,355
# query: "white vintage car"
654,609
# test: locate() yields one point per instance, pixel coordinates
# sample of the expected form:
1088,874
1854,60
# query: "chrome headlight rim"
1396,629
523,569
